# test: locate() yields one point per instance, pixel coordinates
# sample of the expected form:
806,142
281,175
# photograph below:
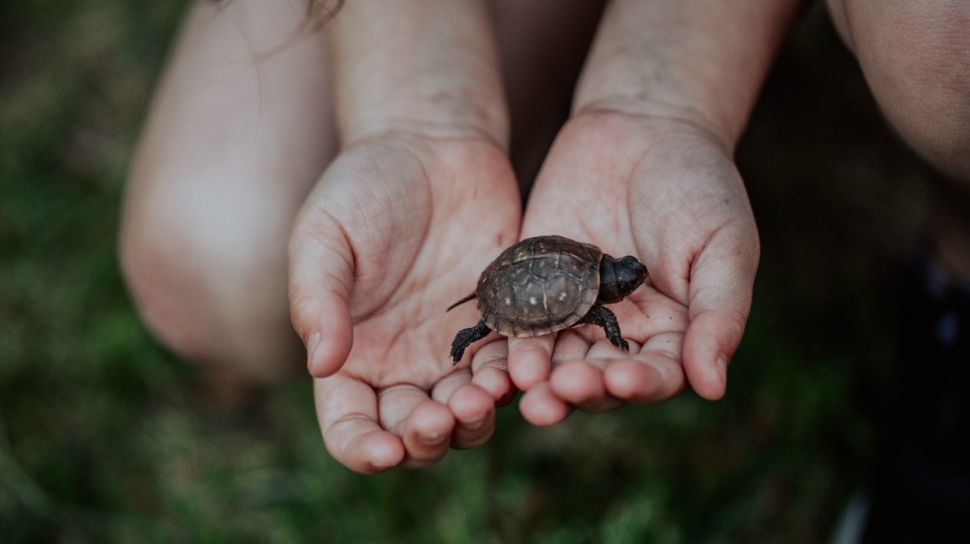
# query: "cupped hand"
398,228
666,191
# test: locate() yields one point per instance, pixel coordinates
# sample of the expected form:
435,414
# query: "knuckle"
304,309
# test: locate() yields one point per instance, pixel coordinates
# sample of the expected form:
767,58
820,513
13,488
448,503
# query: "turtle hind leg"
465,337
602,317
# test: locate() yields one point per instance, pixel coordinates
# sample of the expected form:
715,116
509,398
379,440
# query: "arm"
702,61
398,227
427,66
645,167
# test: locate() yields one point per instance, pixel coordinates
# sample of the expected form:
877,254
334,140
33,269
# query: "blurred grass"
106,436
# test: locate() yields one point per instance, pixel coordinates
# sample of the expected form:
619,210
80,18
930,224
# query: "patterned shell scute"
540,285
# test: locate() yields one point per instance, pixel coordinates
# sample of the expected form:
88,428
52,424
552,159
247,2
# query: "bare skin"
671,195
916,58
214,294
422,196
213,192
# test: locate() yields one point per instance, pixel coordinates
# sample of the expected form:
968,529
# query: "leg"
599,315
915,57
234,141
465,337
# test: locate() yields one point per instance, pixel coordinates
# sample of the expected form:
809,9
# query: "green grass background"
106,436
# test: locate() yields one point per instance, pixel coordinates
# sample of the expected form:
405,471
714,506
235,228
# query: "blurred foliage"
106,436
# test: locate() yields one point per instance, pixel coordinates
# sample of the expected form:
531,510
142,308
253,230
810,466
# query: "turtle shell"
539,286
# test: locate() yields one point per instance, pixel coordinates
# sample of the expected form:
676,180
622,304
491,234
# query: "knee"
207,283
165,279
916,58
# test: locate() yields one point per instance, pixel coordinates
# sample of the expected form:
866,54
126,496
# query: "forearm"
702,61
422,65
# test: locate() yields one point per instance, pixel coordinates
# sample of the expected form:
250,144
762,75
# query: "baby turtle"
546,284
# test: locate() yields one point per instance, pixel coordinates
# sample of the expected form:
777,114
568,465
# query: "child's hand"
667,192
645,168
398,228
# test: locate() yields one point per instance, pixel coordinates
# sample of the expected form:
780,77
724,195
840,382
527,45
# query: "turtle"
545,284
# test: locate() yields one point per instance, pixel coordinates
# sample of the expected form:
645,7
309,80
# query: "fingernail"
722,363
381,467
476,424
311,347
382,464
432,438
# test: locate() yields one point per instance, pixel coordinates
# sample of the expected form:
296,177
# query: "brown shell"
539,286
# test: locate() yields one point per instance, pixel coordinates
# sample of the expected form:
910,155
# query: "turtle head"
620,277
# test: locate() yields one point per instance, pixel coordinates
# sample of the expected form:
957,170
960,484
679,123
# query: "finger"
581,381
446,386
474,411
490,371
602,352
530,360
424,425
321,280
581,384
652,375
540,406
577,375
570,346
347,412
722,278
472,406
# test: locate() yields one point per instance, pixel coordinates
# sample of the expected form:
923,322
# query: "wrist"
438,115
657,115
701,64
428,67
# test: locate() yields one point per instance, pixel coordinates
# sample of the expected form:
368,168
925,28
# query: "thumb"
722,278
321,280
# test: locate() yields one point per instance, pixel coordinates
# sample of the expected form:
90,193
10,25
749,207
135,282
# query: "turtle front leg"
465,337
599,315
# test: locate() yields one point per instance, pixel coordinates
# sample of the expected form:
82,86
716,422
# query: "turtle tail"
462,301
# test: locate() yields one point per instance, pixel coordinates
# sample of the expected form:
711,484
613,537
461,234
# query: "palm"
414,237
403,335
659,190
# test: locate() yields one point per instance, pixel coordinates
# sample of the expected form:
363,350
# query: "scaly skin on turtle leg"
466,336
598,315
